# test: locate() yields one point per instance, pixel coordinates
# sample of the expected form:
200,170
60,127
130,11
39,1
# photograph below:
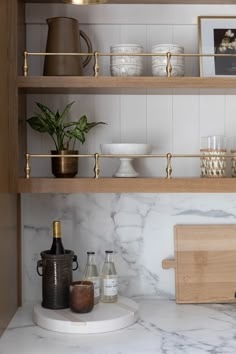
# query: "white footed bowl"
125,148
126,168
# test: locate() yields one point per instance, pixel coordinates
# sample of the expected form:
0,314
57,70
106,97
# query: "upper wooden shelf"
67,84
127,185
187,2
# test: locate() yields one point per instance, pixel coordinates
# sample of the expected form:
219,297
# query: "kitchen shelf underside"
127,185
89,84
187,2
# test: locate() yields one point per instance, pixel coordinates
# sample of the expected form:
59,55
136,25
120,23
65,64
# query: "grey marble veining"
163,328
138,227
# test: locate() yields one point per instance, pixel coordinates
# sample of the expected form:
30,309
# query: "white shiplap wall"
171,120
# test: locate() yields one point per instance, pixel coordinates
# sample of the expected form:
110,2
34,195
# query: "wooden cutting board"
205,263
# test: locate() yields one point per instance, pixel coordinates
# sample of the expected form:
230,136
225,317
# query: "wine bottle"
109,288
57,246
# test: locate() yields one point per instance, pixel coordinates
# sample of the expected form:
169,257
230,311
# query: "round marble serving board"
104,317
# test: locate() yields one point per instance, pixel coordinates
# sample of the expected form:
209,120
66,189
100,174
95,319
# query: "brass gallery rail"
97,156
97,54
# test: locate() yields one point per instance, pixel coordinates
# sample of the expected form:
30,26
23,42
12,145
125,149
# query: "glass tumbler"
81,296
215,165
232,147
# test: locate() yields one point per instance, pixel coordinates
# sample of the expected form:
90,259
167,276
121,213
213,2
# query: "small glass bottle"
109,283
57,246
91,274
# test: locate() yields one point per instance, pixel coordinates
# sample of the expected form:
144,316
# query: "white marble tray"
103,318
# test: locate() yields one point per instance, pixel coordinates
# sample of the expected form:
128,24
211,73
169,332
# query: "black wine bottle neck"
57,247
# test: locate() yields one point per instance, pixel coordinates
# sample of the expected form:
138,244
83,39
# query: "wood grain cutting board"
205,263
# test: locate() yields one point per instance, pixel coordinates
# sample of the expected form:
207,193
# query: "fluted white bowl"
126,70
160,70
164,48
126,48
162,60
126,59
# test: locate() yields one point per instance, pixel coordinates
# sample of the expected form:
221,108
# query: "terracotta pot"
64,167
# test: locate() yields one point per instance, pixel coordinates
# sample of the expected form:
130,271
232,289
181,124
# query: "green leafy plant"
63,133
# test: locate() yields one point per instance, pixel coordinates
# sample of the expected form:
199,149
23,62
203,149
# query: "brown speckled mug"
81,296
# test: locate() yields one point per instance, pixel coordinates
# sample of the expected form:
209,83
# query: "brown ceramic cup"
81,296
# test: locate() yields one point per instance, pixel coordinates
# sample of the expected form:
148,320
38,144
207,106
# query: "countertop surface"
163,327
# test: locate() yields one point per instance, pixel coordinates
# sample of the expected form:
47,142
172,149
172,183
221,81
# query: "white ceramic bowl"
165,48
126,48
126,70
126,168
162,60
126,59
160,70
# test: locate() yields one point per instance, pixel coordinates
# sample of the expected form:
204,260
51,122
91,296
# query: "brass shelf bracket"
96,65
168,66
168,167
25,67
96,166
27,165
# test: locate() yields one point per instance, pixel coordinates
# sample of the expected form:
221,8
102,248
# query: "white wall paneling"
186,132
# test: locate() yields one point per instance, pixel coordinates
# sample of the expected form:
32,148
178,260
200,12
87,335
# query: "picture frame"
217,35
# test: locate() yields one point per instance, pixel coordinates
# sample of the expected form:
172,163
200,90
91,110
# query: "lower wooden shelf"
127,185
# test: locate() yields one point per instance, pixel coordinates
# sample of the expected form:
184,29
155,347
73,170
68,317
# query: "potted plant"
64,134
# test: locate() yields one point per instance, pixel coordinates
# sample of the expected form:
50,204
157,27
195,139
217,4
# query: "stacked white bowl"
123,65
159,63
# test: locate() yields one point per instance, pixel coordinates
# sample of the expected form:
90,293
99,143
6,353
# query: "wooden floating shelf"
127,185
90,84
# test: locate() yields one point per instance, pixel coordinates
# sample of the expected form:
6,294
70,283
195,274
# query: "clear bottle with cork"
57,246
109,281
91,274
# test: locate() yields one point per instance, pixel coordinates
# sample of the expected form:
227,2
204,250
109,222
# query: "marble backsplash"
138,227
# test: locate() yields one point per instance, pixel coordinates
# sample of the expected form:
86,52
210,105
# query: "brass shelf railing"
97,54
168,156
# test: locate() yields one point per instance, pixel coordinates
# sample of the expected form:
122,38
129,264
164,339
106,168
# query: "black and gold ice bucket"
56,272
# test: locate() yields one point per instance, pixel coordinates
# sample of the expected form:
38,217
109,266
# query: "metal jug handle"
90,48
39,265
76,262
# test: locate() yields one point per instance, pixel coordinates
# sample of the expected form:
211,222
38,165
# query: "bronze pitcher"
64,37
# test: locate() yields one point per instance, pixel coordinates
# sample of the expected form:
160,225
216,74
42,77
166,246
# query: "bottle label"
96,284
110,287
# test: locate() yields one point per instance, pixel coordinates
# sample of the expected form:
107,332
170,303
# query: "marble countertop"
163,327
